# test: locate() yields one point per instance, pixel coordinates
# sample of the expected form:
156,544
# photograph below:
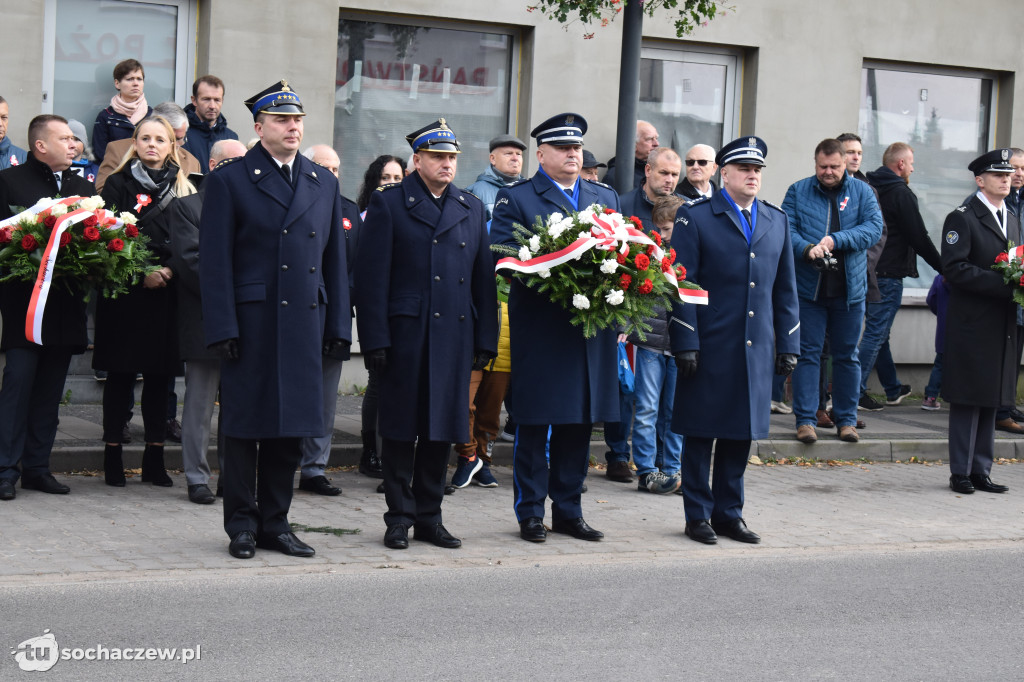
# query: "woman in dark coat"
136,332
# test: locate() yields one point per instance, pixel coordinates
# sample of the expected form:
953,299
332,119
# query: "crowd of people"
263,321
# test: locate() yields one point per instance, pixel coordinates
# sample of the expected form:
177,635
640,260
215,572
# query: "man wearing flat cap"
559,378
506,169
590,165
427,312
275,301
738,248
980,361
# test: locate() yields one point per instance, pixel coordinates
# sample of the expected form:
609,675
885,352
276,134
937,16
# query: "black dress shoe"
959,483
200,493
243,545
532,529
380,488
737,530
319,485
436,534
173,431
44,483
985,484
286,543
397,537
701,531
577,528
7,491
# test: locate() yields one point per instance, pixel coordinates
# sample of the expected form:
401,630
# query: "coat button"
284,232
437,278
312,305
461,318
751,254
312,234
313,269
435,241
284,303
437,315
462,244
284,267
751,285
750,343
461,280
750,314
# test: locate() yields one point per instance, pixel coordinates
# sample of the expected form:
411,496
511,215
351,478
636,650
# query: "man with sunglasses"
700,168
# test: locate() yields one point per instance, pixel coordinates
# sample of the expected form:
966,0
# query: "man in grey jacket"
506,166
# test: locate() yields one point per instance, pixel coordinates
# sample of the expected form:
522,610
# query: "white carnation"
545,273
583,235
555,231
535,243
91,203
554,218
580,301
127,218
524,253
609,266
615,297
57,210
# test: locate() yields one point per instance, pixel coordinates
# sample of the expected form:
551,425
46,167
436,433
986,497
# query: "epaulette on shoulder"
226,162
516,183
390,185
961,209
466,191
599,184
699,200
768,203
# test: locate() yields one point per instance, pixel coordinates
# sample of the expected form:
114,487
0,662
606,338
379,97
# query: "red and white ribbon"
607,235
1017,252
44,279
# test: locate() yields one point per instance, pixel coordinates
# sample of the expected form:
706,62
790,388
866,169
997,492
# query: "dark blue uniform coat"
273,275
752,314
558,377
424,284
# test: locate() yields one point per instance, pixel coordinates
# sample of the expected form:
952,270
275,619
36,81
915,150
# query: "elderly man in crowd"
646,140
700,168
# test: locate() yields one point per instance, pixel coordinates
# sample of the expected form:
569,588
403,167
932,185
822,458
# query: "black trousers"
117,394
414,476
258,480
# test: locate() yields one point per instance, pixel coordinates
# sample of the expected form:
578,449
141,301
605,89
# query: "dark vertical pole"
629,95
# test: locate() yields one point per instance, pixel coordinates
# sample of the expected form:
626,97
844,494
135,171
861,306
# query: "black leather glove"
227,350
481,359
376,360
785,363
686,363
336,349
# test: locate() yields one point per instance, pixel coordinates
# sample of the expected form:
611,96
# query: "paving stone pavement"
145,532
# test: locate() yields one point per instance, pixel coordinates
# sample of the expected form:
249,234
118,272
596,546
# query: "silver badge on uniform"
952,237
1006,154
751,141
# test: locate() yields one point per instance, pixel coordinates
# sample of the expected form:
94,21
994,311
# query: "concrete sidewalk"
895,434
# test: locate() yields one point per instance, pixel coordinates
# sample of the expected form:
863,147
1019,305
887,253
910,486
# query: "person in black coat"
559,378
980,363
427,312
33,377
137,332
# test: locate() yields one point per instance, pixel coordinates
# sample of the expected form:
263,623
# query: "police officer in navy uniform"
980,361
427,312
738,248
559,378
275,301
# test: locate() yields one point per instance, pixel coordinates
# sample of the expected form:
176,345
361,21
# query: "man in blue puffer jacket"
833,220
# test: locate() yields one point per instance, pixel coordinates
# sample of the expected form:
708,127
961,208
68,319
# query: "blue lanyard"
748,227
573,198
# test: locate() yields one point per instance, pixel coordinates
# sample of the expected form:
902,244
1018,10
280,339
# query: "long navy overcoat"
424,288
752,314
273,275
558,377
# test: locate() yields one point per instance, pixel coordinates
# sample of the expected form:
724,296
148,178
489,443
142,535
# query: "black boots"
113,466
153,470
369,462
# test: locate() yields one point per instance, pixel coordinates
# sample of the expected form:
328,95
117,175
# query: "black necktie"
568,191
57,176
746,214
999,219
286,169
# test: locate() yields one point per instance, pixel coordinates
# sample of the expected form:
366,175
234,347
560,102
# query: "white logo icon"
38,654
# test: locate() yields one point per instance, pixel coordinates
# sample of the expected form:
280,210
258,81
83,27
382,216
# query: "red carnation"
642,261
625,280
91,221
672,255
49,221
131,231
680,272
115,245
609,211
29,243
90,234
621,259
666,265
656,238
1022,281
65,238
646,287
1003,258
5,235
636,221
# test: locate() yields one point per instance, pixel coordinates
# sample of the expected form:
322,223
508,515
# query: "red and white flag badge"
346,223
143,201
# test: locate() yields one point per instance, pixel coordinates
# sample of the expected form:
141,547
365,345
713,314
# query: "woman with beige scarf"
127,108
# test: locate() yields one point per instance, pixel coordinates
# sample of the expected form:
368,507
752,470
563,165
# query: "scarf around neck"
135,111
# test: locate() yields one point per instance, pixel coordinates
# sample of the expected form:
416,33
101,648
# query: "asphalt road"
813,614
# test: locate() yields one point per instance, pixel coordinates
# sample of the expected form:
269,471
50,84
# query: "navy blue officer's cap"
435,137
561,130
750,150
279,98
995,161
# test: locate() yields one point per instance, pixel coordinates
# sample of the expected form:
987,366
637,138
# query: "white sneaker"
779,407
